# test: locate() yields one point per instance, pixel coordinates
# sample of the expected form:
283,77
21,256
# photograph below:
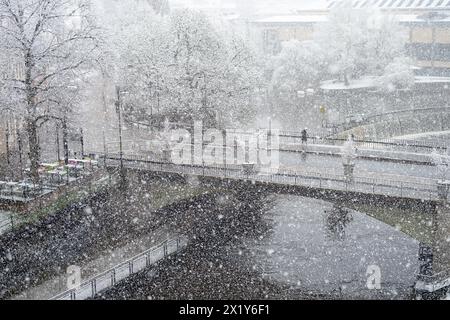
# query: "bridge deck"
401,187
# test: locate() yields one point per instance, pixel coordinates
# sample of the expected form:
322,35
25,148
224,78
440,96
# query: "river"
282,247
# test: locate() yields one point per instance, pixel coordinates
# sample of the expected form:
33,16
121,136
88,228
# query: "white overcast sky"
257,3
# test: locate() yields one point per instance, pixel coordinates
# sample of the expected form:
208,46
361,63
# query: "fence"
295,137
388,116
386,144
432,283
6,225
408,187
25,192
107,279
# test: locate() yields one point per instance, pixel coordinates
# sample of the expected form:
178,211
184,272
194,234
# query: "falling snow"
163,149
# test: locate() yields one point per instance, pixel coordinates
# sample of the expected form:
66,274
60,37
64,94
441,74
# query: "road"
334,164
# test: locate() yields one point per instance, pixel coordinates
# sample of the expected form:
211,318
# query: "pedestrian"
304,136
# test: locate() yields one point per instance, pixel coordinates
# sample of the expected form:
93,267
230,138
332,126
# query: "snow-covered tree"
52,40
397,75
160,6
299,65
361,42
186,67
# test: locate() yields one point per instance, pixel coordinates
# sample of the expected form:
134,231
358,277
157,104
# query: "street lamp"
19,142
72,88
119,94
8,158
58,151
82,143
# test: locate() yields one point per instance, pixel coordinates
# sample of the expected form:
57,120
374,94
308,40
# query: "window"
410,3
420,3
429,4
421,35
392,3
400,4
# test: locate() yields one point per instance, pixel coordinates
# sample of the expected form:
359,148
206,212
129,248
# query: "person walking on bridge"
305,136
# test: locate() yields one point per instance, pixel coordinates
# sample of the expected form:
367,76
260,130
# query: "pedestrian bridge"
406,187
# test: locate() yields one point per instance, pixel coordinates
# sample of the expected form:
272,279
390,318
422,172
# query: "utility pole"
66,145
105,120
58,151
8,159
119,117
65,139
19,142
82,143
119,94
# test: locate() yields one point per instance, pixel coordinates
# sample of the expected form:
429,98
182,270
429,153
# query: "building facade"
427,22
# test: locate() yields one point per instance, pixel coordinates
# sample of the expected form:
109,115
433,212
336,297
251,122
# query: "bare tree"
160,6
52,40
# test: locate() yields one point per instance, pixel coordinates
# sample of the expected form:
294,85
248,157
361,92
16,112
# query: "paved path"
105,261
366,167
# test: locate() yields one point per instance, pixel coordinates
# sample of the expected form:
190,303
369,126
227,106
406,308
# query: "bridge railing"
429,279
410,187
392,115
109,278
384,144
433,283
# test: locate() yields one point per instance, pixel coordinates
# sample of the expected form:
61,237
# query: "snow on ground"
416,136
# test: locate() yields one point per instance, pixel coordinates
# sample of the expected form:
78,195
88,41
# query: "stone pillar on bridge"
443,188
349,169
167,153
442,230
249,168
349,155
434,277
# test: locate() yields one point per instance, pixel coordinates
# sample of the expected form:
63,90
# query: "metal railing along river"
90,288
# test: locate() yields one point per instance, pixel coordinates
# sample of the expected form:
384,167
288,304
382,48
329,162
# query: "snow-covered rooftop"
299,18
316,18
426,79
365,82
370,82
393,4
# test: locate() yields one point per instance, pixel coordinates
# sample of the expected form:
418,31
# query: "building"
10,127
428,23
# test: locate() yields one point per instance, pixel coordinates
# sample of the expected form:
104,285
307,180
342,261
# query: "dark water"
279,247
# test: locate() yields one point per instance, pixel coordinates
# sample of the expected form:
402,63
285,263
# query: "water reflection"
323,248
336,220
283,247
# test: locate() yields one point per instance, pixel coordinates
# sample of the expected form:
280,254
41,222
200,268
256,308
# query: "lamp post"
58,151
82,143
119,118
348,159
19,142
8,158
65,131
119,94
